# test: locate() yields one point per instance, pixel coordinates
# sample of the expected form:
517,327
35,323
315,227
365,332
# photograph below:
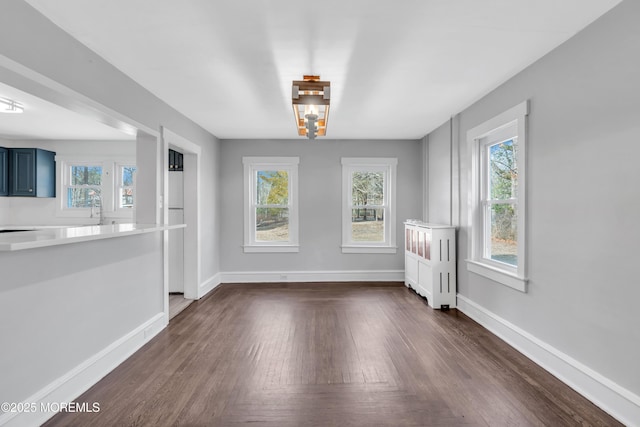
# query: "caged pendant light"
310,98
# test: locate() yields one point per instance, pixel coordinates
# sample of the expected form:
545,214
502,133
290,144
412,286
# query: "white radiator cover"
430,262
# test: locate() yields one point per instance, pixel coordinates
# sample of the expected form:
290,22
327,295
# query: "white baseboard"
313,276
75,382
209,285
619,402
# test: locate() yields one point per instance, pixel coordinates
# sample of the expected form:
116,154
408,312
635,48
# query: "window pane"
503,170
367,225
272,224
83,197
504,237
127,175
126,191
273,188
86,175
126,197
367,188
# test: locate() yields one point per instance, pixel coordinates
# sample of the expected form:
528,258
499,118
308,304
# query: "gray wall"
583,197
41,48
61,305
211,181
320,202
439,175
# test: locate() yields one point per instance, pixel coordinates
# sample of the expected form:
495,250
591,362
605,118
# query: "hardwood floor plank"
177,303
328,354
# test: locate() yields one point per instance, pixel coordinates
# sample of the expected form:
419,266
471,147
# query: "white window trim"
251,166
513,277
109,187
388,165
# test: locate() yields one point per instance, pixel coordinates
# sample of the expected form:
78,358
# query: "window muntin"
369,207
271,210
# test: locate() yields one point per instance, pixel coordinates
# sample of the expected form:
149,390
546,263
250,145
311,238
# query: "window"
126,175
271,204
497,198
97,187
83,186
368,194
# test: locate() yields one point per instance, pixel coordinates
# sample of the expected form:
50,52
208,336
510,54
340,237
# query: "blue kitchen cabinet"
4,172
32,172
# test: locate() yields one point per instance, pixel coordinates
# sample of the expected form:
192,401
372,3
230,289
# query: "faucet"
95,196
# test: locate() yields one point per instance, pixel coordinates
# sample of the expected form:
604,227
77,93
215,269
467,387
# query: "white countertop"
419,223
34,227
62,235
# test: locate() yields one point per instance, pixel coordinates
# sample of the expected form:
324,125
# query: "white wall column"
148,198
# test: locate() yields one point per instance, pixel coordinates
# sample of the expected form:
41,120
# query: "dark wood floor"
328,354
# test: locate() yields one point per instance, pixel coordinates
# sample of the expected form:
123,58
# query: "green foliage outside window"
272,213
273,188
503,192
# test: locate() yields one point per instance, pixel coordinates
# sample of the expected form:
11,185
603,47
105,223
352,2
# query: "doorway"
175,201
182,251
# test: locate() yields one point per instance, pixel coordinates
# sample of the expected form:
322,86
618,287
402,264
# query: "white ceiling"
44,120
398,68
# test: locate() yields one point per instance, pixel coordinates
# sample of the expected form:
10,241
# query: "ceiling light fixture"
10,106
310,98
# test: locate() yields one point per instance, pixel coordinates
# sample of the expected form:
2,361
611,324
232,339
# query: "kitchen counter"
32,227
61,235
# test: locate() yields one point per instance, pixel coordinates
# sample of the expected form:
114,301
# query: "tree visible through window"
497,198
368,224
272,206
367,212
126,186
501,205
84,188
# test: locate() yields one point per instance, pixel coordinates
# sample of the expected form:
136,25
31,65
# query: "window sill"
361,249
271,248
498,275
